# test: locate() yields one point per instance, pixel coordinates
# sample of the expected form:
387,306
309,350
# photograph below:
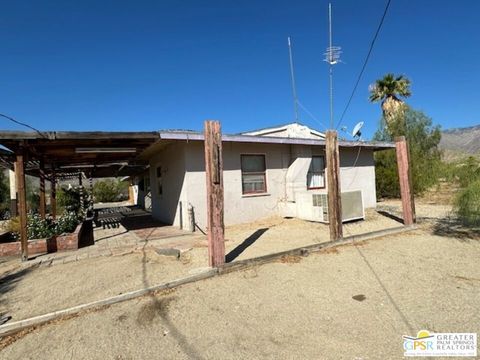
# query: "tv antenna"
332,57
292,74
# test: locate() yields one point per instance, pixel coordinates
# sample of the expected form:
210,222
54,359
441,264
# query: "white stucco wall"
238,208
361,176
169,207
184,180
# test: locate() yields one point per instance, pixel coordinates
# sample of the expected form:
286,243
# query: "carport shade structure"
57,155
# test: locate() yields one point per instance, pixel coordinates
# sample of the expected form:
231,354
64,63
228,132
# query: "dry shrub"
290,259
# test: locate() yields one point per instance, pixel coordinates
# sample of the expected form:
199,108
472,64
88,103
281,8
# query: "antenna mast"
292,74
332,57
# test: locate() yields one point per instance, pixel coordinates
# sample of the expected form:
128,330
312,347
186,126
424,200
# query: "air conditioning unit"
352,205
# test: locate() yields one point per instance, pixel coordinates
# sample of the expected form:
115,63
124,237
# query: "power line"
365,62
310,114
23,124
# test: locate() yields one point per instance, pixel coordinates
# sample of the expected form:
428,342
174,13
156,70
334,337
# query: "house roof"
197,136
290,130
104,154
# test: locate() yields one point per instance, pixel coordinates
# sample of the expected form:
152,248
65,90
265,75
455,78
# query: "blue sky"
149,65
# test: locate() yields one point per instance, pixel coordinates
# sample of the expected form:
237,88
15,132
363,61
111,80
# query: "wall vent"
321,200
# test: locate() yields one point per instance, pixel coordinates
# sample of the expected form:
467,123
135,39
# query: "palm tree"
388,90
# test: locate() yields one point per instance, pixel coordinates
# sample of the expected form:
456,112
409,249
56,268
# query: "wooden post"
404,176
13,193
42,207
333,182
22,202
53,195
214,175
131,193
80,190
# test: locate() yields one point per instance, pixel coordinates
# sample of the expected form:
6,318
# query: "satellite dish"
356,133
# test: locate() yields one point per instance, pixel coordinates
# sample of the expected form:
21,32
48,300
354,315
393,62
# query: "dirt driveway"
352,303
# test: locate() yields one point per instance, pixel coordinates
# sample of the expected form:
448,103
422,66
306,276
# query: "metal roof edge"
273,140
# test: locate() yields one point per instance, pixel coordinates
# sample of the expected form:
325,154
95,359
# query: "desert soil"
35,291
303,308
351,302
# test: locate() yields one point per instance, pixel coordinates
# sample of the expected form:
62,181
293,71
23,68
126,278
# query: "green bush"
386,174
38,228
67,223
467,204
68,199
425,157
110,190
468,171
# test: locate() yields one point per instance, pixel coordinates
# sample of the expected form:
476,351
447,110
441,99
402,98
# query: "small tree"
425,157
467,201
467,204
68,199
109,190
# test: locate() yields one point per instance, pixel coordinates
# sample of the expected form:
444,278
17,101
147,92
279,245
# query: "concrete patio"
134,229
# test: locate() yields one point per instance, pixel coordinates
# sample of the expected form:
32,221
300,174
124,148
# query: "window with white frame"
254,180
316,173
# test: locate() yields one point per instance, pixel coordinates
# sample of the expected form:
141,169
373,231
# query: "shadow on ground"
141,221
451,227
8,281
380,282
390,216
232,255
158,306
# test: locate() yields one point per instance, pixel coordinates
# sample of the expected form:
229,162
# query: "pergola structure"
52,156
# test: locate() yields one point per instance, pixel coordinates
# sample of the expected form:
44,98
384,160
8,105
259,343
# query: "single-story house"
267,172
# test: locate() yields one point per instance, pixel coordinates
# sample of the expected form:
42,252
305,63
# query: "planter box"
36,246
82,236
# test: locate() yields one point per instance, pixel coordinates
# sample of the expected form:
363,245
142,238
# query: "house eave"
189,136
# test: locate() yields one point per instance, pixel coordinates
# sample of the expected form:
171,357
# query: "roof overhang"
99,154
107,154
192,136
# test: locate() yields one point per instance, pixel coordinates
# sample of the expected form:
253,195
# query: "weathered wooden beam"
53,195
214,175
333,182
42,207
22,202
13,192
404,176
82,196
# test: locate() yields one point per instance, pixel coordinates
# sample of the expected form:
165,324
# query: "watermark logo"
440,344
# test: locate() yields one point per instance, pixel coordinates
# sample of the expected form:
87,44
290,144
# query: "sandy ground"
39,290
279,234
301,309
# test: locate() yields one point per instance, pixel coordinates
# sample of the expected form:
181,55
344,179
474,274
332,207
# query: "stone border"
14,327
